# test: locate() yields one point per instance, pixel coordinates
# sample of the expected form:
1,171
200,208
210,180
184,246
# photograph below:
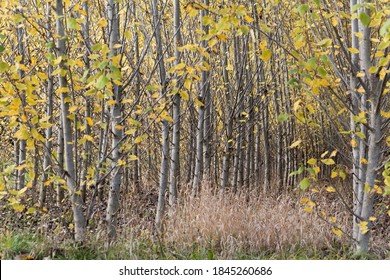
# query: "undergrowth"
236,226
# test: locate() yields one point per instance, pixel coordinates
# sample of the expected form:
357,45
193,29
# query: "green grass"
38,246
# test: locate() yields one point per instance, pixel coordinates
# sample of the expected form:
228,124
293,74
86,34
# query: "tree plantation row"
262,97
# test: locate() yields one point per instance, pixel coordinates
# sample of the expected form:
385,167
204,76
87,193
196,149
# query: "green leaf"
244,29
2,48
3,66
31,210
207,20
356,7
283,117
322,72
304,184
72,23
297,172
364,18
102,82
361,135
96,47
302,9
385,29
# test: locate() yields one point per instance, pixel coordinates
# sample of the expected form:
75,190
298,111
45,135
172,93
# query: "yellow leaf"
57,60
133,157
324,154
367,187
295,144
18,207
336,231
138,140
373,70
342,175
385,114
167,118
363,227
88,138
184,95
171,59
328,161
248,19
311,204
102,23
93,56
312,161
31,210
334,174
308,209
198,102
304,200
330,189
111,102
116,59
229,67
372,218
187,84
89,121
333,219
73,108
36,135
353,50
22,133
360,75
266,55
263,44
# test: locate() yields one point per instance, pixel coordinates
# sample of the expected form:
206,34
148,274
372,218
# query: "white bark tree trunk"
116,129
71,175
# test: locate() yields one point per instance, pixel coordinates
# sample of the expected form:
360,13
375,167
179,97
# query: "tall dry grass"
248,223
245,223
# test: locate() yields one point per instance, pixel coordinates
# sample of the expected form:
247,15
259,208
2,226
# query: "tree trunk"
175,155
164,168
47,168
79,220
116,129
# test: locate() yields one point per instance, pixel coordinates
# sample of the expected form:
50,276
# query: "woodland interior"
177,129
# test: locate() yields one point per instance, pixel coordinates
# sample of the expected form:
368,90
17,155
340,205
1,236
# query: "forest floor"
247,225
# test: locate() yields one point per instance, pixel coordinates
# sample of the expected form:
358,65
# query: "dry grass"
245,225
237,224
